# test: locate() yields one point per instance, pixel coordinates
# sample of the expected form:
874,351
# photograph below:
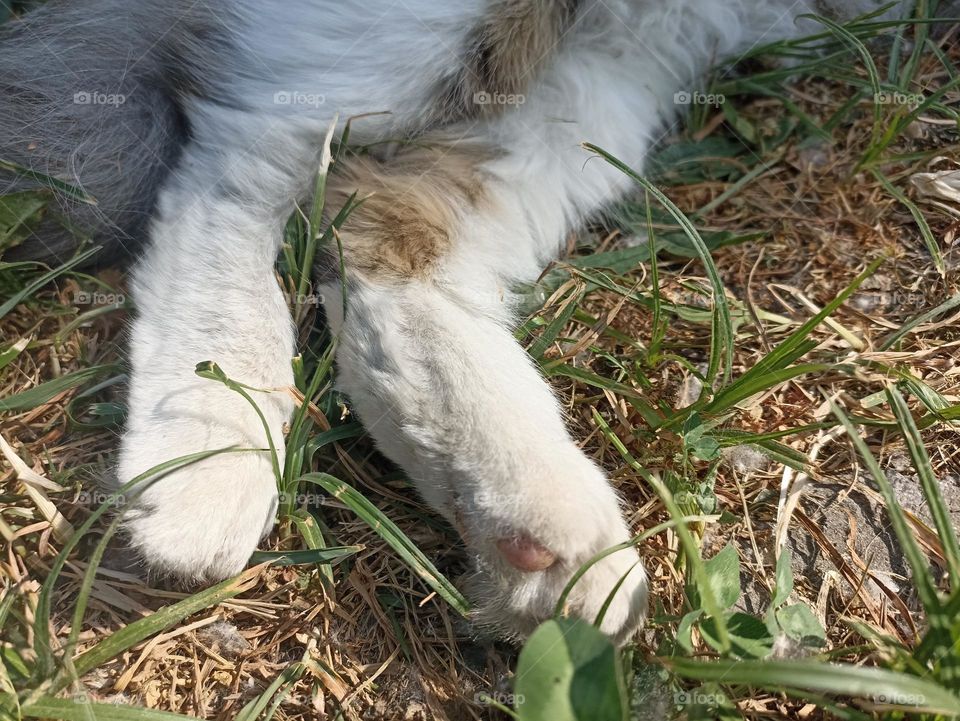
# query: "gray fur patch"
89,94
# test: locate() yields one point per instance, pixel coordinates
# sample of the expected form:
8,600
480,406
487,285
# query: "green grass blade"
928,481
329,555
71,191
709,600
658,326
902,690
86,586
556,325
797,344
38,283
919,566
852,41
393,536
651,416
639,538
38,395
309,530
325,438
931,242
155,623
732,395
277,691
721,350
41,626
897,336
47,707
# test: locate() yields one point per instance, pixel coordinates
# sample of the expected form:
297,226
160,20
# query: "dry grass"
381,645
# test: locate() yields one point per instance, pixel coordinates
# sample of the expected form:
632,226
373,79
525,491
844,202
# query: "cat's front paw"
201,522
529,542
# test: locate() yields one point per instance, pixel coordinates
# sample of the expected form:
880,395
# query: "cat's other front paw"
529,542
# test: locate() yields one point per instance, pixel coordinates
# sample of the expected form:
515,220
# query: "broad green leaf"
685,629
569,671
723,572
799,623
784,578
698,438
749,636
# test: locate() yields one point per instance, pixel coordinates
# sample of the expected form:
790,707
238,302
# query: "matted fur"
411,209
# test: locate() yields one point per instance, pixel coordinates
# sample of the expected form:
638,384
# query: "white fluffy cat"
227,106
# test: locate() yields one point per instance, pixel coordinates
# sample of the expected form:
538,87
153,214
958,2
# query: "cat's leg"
206,290
429,362
426,353
449,394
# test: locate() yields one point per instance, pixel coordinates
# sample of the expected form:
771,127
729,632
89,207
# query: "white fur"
431,366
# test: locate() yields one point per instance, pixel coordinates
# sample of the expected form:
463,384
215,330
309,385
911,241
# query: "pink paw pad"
526,554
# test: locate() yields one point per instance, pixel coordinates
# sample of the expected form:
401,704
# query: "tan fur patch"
414,201
502,56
